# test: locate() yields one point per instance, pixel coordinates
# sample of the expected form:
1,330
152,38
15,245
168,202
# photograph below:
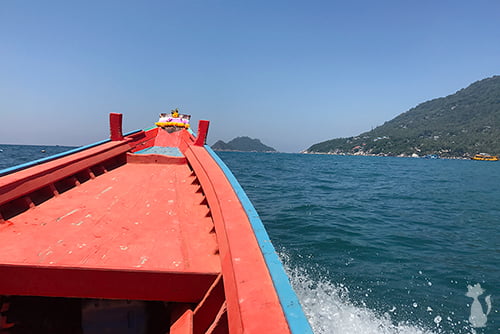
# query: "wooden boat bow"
149,216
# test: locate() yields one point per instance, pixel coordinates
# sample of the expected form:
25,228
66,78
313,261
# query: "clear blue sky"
291,73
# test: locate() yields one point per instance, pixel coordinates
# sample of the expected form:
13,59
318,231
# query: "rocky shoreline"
430,156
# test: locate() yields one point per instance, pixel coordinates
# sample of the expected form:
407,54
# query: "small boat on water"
147,232
485,157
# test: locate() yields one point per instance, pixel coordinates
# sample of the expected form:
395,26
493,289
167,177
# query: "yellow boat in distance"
485,157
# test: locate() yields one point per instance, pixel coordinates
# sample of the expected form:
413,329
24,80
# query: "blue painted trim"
57,156
163,150
289,302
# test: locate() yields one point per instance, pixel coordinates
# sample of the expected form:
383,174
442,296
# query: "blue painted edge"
163,150
289,302
17,168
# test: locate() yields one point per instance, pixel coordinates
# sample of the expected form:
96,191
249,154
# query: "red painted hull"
110,224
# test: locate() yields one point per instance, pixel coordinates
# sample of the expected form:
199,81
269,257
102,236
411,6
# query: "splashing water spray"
478,317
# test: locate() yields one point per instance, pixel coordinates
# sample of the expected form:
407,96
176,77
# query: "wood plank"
135,220
183,325
252,302
146,216
23,182
104,283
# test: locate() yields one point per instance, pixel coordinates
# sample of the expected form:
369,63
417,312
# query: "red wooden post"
115,126
202,133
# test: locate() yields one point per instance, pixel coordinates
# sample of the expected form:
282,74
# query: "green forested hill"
459,125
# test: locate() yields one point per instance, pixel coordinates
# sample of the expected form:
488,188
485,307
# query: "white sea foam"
330,311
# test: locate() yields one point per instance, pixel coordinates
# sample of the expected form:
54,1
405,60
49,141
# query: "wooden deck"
147,219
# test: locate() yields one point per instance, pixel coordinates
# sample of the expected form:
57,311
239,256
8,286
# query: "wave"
330,309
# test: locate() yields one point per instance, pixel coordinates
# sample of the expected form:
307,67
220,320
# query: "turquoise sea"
375,244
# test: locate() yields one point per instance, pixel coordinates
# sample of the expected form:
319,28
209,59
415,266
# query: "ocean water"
12,155
375,244
380,244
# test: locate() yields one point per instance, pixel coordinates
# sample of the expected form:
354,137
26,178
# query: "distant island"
456,126
242,144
